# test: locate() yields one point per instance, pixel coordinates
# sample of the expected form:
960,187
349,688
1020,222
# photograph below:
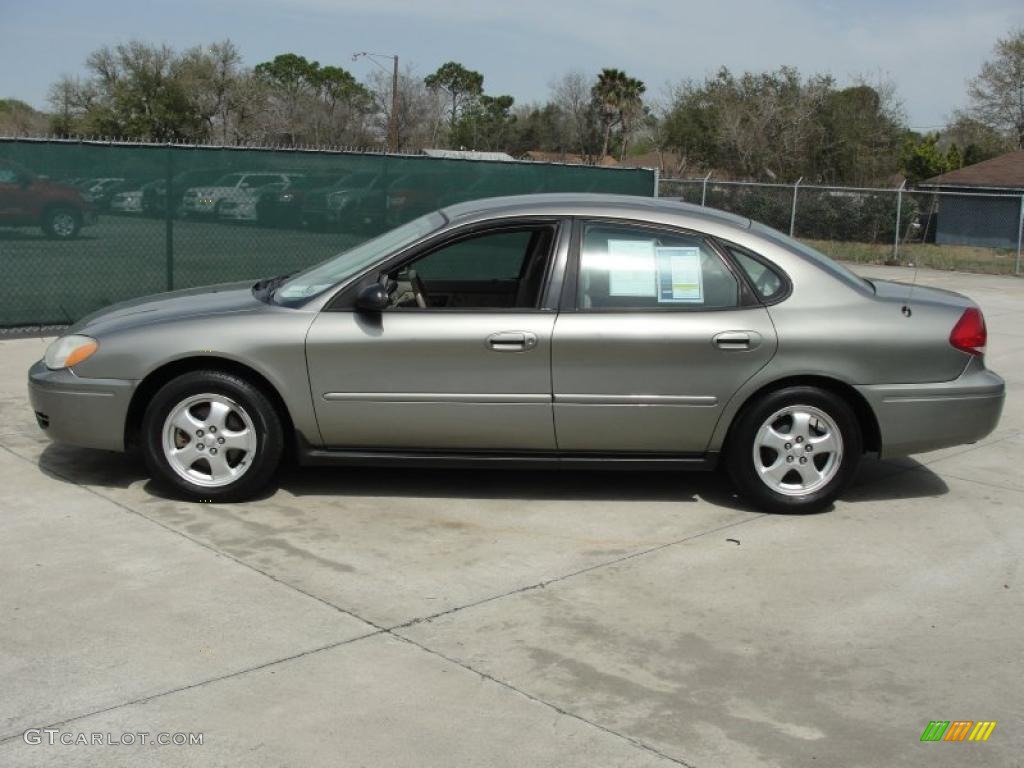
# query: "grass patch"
962,258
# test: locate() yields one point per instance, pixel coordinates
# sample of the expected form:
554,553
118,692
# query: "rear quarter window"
769,284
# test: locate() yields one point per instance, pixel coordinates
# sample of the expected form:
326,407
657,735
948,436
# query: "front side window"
501,269
633,267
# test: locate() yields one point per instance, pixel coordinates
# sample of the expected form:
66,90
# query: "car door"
657,332
460,359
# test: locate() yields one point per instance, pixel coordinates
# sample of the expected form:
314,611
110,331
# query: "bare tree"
421,111
210,75
997,93
571,94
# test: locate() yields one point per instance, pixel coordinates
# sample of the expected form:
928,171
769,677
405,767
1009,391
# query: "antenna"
906,308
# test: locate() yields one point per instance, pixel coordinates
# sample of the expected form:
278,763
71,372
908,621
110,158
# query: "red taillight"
969,334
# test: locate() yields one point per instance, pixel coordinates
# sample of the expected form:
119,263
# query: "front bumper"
915,418
200,205
87,412
238,211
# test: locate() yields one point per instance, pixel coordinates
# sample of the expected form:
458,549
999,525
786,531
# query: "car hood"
56,189
227,298
895,291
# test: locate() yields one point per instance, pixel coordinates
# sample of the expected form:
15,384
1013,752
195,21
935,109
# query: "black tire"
268,429
741,462
62,222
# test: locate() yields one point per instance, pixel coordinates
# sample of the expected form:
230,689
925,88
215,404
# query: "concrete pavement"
420,618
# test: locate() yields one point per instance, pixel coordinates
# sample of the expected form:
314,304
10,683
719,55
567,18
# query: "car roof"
664,210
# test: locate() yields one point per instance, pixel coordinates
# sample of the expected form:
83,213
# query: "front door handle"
512,341
737,340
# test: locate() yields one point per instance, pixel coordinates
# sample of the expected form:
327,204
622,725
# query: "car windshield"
318,279
819,258
228,181
360,179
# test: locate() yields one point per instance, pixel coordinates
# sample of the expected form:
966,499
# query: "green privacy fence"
86,224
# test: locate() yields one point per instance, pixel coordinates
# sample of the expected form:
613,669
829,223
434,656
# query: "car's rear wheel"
794,450
212,436
62,223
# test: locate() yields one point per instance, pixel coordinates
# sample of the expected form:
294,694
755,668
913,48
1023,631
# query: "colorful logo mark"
958,730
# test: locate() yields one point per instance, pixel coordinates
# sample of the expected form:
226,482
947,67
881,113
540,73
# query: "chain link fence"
86,224
981,231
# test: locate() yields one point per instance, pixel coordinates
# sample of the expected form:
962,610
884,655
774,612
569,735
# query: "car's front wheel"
62,223
794,450
212,436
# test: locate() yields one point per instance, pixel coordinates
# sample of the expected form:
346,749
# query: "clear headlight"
69,350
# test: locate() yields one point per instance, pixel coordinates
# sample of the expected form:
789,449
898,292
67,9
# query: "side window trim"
569,296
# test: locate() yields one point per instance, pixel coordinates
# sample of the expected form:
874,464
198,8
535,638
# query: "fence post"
657,182
169,218
899,212
1020,236
792,215
704,189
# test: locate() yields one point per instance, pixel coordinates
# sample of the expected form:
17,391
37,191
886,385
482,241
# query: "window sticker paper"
631,268
680,278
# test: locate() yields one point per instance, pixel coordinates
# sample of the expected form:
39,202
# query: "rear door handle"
512,341
737,340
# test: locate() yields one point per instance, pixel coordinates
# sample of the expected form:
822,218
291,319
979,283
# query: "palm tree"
619,98
631,109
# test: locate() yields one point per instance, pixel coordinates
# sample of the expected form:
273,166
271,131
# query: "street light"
393,117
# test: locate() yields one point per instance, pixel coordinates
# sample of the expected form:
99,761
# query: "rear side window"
634,267
768,284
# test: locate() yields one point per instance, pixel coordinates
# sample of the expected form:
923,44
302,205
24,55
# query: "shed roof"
1003,172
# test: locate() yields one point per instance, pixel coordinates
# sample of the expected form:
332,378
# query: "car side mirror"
373,298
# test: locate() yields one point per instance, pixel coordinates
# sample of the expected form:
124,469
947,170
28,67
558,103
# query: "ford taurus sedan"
570,330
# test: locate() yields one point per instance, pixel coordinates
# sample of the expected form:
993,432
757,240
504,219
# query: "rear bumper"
915,418
87,412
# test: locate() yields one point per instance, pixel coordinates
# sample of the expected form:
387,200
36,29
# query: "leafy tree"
462,85
485,124
289,79
781,126
313,103
997,93
922,159
954,160
135,90
862,136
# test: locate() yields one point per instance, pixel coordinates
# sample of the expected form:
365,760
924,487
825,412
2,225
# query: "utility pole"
393,117
393,139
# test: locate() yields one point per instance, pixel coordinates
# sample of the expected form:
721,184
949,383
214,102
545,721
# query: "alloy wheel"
209,440
798,450
63,224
